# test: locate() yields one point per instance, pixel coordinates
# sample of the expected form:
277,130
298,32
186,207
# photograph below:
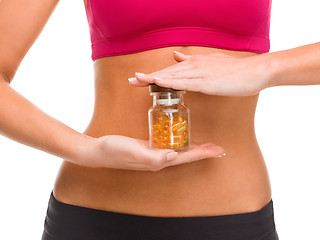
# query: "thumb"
179,57
164,155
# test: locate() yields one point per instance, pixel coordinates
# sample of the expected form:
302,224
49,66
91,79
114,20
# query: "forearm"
296,66
22,121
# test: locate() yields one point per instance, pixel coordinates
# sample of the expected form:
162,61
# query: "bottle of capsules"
169,119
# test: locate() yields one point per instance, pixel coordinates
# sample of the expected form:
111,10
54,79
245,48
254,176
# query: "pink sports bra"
127,26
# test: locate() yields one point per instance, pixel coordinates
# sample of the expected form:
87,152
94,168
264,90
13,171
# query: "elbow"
4,77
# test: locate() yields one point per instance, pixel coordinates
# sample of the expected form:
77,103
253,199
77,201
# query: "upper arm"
21,22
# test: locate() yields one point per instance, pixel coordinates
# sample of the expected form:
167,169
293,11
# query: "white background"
57,76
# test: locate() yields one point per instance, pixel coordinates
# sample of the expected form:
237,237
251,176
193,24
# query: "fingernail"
178,52
131,79
223,154
172,156
139,74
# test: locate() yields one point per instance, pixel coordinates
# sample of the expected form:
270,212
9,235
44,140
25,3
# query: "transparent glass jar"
169,119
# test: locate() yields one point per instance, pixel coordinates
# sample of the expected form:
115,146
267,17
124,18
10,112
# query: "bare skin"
235,183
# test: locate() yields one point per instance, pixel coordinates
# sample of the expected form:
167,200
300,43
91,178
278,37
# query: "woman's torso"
235,183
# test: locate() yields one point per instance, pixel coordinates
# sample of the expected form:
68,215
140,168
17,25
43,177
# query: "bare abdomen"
235,183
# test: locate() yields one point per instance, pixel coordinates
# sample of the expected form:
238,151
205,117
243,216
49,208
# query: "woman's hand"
121,152
213,74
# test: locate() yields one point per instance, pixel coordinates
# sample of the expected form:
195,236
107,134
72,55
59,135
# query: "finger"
145,79
175,68
136,83
155,157
179,57
209,150
188,84
224,55
187,73
181,66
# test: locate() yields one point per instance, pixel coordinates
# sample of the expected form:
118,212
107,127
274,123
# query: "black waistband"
252,225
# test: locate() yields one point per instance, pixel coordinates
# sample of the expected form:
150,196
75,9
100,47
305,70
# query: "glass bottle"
169,119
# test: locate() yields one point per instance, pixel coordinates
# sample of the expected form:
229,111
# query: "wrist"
81,149
270,69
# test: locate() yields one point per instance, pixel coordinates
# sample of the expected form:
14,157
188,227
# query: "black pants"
70,222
